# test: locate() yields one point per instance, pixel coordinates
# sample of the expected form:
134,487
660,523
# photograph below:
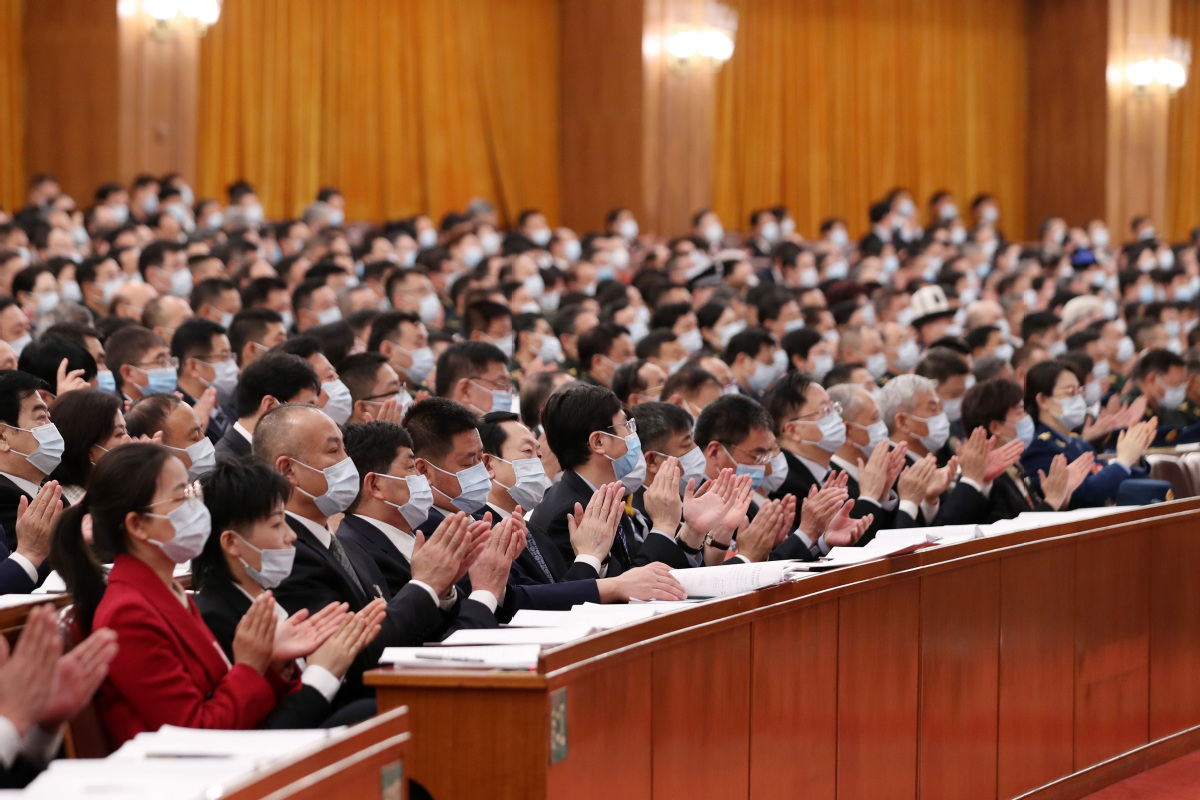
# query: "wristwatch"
709,541
685,547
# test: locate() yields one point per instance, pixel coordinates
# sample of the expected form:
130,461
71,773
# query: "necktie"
532,546
339,555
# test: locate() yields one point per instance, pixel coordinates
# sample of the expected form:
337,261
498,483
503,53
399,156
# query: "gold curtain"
1183,137
407,106
12,105
827,104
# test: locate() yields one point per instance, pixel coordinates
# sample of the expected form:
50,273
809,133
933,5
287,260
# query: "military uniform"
1191,410
1097,488
569,366
1175,426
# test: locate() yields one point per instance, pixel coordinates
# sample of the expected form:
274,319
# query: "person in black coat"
273,379
250,551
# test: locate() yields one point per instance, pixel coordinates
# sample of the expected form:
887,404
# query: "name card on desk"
515,656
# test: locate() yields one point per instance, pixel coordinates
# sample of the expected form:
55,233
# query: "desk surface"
983,669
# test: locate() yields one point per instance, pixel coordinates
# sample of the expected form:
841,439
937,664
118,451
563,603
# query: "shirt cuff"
740,559
871,500
821,548
908,507
26,565
804,540
437,601
322,680
42,745
485,597
984,489
930,510
591,561
10,742
1128,470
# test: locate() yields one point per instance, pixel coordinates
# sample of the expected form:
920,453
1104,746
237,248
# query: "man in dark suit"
596,444
449,454
305,446
513,456
205,361
26,459
272,380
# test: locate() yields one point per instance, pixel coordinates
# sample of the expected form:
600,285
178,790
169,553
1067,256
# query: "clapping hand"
1001,458
37,520
820,506
77,676
592,530
300,634
438,562
844,530
1055,486
663,504
27,674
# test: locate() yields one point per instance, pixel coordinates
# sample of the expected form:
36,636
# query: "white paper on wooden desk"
172,741
1028,520
594,615
517,656
174,778
18,600
731,579
544,637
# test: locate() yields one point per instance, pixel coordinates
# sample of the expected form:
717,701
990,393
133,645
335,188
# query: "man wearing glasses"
141,362
475,374
205,358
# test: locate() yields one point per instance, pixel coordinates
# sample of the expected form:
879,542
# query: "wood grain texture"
608,731
1174,630
1037,668
793,704
960,656
877,692
1112,627
701,716
1183,156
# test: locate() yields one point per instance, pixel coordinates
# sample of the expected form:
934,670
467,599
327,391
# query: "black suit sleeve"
658,547
790,548
962,505
304,708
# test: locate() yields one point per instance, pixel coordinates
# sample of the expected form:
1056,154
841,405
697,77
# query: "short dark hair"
386,324
978,337
128,346
1040,380
434,422
730,419
358,373
750,341
258,290
598,342
479,315
303,345
373,446
194,337
1155,362
279,375
574,413
41,357
84,418
656,422
626,381
462,360
337,340
210,290
149,414
786,396
492,433
250,324
651,344
15,386
941,364
666,316
689,379
772,301
237,493
534,391
1038,322
989,402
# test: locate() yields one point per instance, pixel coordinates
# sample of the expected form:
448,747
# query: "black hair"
15,386
84,418
651,344
1040,379
492,433
464,360
149,415
1155,362
786,396
279,375
478,316
626,381
656,422
689,379
667,315
193,338
42,357
386,324
534,391
989,402
433,423
337,340
598,342
209,290
750,341
840,373
1038,322
772,301
571,415
258,290
238,494
249,325
123,481
373,446
358,373
730,419
941,364
978,337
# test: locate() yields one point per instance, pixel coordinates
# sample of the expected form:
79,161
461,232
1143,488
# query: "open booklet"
731,579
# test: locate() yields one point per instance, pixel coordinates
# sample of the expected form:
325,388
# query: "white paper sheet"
731,579
172,741
544,637
517,656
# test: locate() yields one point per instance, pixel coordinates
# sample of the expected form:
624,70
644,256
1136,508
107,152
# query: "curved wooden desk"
1035,664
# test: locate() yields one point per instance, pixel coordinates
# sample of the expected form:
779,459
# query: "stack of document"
170,741
731,579
540,636
1028,520
151,779
593,615
18,600
516,656
885,543
54,584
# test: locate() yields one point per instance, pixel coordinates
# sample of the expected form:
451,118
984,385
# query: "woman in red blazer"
169,669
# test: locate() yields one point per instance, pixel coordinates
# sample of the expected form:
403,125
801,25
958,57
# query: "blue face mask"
605,274
161,380
627,463
755,471
105,381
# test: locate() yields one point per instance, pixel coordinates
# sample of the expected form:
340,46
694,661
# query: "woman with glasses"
1055,400
169,669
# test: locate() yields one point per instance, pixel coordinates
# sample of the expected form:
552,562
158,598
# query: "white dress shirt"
37,745
30,488
247,435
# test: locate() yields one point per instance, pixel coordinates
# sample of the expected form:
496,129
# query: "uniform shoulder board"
1171,434
1045,437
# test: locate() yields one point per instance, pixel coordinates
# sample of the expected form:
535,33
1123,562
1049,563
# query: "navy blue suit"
1097,488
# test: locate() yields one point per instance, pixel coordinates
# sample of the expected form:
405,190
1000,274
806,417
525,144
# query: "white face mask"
1173,396
727,332
833,432
329,316
550,350
19,344
1074,411
429,308
779,473
338,404
201,455
693,465
181,282
952,408
939,432
692,341
877,365
714,233
191,523
763,376
474,485
628,229
341,486
49,450
876,433
427,238
907,355
420,498
276,565
821,366
225,375
531,481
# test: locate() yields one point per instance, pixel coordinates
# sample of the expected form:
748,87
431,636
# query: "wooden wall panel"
12,104
598,703
71,50
701,717
1112,624
1183,154
1174,631
600,110
878,635
1037,669
1067,122
960,656
793,711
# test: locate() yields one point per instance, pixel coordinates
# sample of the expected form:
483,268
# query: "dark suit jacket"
317,580
232,445
10,499
1007,500
13,579
798,481
560,570
961,505
223,605
550,516
217,421
523,590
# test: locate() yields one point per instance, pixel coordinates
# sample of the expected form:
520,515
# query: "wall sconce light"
167,16
706,45
1166,71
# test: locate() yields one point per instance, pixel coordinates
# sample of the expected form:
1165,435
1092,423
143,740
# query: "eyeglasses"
499,385
215,358
192,490
825,410
760,456
629,425
380,399
1060,395
161,361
